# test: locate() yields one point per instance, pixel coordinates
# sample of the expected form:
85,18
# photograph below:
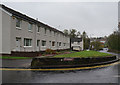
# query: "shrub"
49,51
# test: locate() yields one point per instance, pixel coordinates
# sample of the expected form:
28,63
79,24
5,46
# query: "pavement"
16,63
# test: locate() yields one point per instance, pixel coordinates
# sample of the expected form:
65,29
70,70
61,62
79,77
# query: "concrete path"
16,62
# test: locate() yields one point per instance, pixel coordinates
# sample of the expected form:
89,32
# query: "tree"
86,40
66,32
114,41
73,33
78,34
96,45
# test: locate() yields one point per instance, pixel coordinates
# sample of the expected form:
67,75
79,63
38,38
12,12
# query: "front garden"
13,57
84,54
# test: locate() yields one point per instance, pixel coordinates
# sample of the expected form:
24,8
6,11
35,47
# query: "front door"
18,40
38,45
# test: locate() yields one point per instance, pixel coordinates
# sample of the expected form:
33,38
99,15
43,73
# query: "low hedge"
66,62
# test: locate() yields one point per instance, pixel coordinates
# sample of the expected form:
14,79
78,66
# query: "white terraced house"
20,33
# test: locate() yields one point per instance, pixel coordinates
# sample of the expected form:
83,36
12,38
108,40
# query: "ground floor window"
38,41
53,43
59,43
43,43
27,42
64,44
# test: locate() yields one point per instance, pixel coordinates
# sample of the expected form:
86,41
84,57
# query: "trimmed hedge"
68,62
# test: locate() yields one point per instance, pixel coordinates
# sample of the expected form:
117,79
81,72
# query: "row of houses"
21,33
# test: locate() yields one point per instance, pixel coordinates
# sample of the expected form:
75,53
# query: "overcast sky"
96,18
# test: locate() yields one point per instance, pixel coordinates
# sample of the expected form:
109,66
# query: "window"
59,43
64,44
29,26
54,33
53,43
38,41
78,42
18,23
43,43
38,29
27,42
45,30
50,32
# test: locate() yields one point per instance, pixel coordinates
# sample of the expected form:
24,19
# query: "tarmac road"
109,74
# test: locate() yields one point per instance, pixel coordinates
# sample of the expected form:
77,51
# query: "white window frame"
38,43
45,31
29,42
30,25
42,43
50,32
20,21
38,28
52,43
60,44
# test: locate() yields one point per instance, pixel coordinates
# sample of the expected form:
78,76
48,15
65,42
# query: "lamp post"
90,40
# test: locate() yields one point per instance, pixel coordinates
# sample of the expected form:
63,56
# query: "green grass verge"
85,54
13,57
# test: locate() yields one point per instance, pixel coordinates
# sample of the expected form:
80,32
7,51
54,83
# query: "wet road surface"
99,75
108,74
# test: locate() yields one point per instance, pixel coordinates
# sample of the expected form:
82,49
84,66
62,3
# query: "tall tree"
96,45
66,32
114,41
78,34
73,33
86,41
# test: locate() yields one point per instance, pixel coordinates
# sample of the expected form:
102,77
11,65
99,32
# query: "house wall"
34,35
0,31
10,33
22,33
6,24
80,44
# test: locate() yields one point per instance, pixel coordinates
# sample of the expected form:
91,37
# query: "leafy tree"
73,33
86,40
96,45
114,41
78,34
66,32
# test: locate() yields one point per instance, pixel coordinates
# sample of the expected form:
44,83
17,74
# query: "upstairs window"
29,26
18,23
54,33
38,29
50,32
45,30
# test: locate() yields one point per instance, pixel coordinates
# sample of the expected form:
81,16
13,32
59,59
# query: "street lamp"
90,40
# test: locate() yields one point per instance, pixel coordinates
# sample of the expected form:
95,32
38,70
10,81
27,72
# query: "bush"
114,41
49,51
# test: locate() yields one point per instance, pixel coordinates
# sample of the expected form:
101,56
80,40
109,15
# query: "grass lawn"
85,54
13,57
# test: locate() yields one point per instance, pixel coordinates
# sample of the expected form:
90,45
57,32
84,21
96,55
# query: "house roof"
27,18
76,39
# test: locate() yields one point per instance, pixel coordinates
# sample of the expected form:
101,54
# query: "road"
109,74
